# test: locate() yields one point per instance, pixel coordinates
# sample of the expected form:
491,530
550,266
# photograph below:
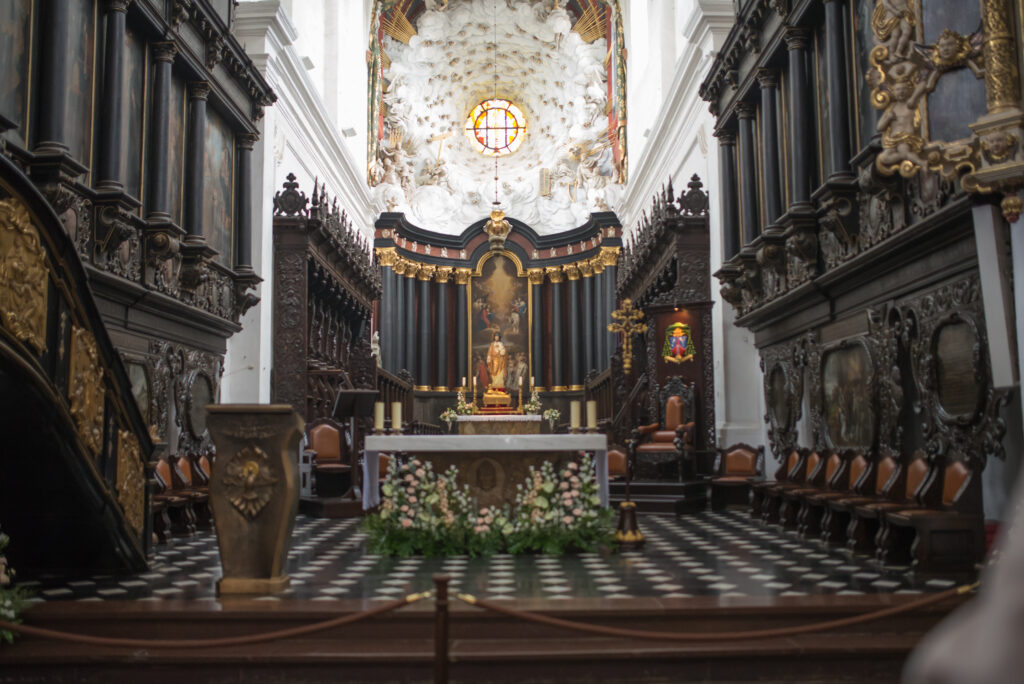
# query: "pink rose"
416,462
409,478
412,499
488,520
563,485
573,466
575,480
405,466
406,522
411,514
483,511
404,508
567,519
575,493
567,473
410,490
577,512
420,472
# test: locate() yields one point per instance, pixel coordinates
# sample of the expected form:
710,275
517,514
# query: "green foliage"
425,513
12,600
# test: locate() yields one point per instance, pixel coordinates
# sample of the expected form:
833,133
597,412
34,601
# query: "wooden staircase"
662,497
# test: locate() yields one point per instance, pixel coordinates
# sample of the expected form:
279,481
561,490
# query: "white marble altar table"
420,445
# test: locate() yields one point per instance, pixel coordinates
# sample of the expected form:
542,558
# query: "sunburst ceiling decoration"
557,168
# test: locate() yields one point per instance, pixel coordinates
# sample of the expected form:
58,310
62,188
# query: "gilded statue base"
496,401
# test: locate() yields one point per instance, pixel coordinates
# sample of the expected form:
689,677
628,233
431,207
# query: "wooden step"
484,647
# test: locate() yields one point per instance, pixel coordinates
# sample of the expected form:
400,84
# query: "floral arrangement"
552,415
533,406
449,416
461,407
11,599
428,513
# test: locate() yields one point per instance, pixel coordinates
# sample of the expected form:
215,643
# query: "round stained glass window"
496,127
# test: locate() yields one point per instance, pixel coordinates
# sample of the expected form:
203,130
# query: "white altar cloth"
426,444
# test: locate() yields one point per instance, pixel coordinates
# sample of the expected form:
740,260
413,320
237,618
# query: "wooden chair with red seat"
814,507
791,475
870,486
186,484
178,508
899,492
823,478
616,464
674,435
791,463
948,525
738,467
333,477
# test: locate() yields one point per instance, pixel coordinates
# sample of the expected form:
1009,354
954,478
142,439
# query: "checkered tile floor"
709,554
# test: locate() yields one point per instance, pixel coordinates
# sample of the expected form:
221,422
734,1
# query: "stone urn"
254,493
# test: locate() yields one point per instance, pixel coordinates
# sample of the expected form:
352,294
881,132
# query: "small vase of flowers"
552,415
532,407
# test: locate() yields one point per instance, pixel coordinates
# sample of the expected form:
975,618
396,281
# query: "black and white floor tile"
708,554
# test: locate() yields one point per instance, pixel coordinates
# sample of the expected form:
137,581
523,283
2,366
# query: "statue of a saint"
497,358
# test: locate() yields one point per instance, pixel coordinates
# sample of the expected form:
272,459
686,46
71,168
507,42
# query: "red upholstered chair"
868,482
948,524
791,475
738,467
333,475
898,495
616,464
821,478
188,485
181,516
792,468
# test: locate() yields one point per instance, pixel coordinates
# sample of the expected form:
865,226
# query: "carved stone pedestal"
254,493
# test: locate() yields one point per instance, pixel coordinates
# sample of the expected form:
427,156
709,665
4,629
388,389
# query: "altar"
492,465
509,424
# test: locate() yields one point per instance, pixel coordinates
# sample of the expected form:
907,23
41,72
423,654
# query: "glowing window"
496,127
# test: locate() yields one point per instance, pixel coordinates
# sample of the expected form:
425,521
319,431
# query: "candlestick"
591,414
396,416
378,416
574,415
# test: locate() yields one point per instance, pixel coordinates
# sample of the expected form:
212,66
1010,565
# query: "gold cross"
628,322
440,137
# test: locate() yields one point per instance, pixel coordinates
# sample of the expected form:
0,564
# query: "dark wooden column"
462,369
53,79
195,150
108,168
801,128
588,311
441,327
730,194
409,326
243,187
557,325
609,257
748,173
536,278
600,309
386,261
158,210
838,98
769,81
423,374
397,318
572,272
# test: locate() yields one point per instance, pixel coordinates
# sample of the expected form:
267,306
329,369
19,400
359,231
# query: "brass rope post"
441,629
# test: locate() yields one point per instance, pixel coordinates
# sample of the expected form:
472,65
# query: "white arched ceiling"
558,80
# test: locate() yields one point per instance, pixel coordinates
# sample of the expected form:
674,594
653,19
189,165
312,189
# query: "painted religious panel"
132,109
80,53
218,187
500,324
15,20
176,149
849,409
955,371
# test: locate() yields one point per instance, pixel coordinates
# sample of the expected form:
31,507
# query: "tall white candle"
396,415
591,414
463,381
574,414
531,382
378,415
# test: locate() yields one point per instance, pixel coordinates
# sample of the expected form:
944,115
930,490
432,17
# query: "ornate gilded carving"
86,389
23,275
443,273
497,229
629,322
535,276
249,481
386,256
131,480
462,276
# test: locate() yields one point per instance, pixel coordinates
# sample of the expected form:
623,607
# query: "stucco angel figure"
901,127
497,360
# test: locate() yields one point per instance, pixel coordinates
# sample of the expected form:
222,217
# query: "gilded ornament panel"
86,389
131,480
23,275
